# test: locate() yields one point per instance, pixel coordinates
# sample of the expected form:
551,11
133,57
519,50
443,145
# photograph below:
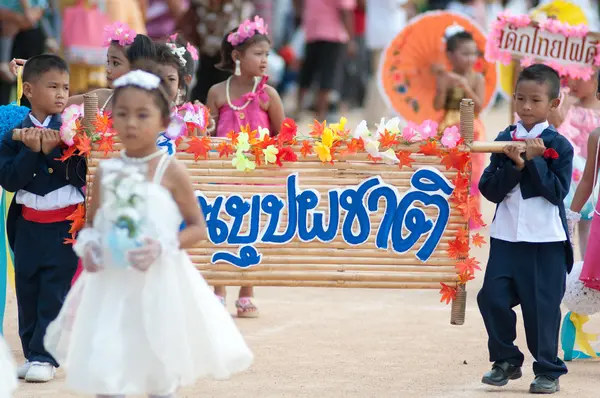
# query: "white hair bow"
452,30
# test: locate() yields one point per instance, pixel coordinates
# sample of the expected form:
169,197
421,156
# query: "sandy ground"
360,343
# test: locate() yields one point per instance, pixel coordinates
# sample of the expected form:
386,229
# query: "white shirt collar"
535,131
37,123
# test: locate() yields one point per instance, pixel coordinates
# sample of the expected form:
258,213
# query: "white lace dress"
8,371
122,331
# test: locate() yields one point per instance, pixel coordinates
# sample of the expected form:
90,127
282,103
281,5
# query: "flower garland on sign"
79,139
389,143
550,25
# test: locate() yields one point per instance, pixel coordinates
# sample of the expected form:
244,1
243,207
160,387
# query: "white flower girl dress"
122,331
8,371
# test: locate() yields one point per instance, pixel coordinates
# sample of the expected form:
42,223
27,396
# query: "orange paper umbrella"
407,73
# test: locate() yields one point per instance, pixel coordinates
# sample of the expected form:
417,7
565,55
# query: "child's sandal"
246,308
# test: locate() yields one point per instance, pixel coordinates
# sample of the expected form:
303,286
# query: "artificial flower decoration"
193,51
450,137
323,152
242,163
243,142
119,32
551,153
246,30
270,153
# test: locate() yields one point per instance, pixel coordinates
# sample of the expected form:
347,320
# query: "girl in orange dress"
460,83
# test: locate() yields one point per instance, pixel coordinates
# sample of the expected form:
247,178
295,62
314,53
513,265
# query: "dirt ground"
360,343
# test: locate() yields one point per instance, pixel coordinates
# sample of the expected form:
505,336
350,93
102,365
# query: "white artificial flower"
361,131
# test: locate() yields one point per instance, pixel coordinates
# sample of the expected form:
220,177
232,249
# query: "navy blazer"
545,177
36,172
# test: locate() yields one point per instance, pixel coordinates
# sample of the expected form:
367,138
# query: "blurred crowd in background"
333,46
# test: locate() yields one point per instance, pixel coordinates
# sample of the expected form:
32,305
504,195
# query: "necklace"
143,160
238,108
106,103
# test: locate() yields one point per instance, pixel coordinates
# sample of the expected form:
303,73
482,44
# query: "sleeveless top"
252,115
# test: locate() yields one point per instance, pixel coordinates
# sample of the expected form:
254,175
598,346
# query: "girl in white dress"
141,319
8,371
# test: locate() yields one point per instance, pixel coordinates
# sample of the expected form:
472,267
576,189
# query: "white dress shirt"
58,199
534,220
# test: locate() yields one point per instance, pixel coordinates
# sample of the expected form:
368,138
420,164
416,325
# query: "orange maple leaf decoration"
233,136
355,145
478,240
77,219
69,241
317,128
306,148
257,152
465,277
199,147
106,143
374,159
388,140
461,188
470,210
456,159
448,293
83,145
405,159
70,151
103,123
462,235
225,149
430,149
334,149
467,265
457,248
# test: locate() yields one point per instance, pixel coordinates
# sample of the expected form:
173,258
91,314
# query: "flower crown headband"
148,81
120,32
246,30
179,52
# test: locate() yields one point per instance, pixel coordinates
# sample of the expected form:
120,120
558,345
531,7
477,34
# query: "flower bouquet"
126,197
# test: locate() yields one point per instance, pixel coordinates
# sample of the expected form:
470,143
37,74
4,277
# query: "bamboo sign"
352,223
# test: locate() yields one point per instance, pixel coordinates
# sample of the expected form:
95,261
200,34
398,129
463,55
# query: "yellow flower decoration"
341,126
242,163
270,153
243,143
328,137
323,152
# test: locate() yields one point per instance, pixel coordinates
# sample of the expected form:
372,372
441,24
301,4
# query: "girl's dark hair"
142,47
227,48
164,56
161,94
454,41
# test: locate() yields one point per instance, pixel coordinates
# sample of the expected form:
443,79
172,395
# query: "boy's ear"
27,90
555,103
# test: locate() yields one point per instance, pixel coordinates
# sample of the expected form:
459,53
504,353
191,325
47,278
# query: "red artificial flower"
550,153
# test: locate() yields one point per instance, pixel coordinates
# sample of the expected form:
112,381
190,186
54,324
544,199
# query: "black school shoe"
501,373
544,385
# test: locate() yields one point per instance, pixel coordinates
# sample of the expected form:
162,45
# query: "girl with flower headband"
459,83
243,100
141,319
189,57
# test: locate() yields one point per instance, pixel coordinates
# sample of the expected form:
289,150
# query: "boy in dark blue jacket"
47,191
530,251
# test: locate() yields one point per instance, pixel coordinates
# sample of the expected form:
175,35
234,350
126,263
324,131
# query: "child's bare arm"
213,106
478,94
586,185
94,201
183,193
441,91
276,113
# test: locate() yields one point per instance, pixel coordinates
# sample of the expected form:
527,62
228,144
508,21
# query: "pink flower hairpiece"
120,32
193,51
246,30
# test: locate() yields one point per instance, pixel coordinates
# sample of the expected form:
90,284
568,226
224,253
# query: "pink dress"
252,115
590,274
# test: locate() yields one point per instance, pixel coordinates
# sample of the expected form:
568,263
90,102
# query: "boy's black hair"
142,47
542,74
454,41
227,64
165,56
40,64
